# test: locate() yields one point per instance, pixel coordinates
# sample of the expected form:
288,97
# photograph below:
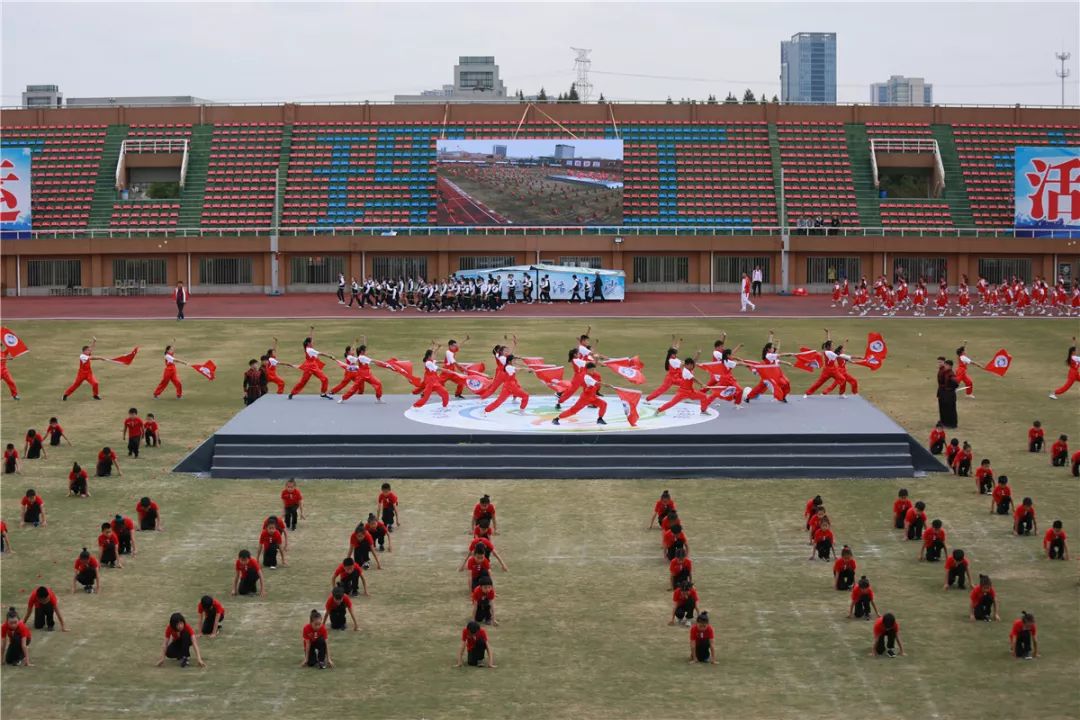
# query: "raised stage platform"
311,437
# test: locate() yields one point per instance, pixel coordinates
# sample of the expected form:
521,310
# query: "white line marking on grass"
870,686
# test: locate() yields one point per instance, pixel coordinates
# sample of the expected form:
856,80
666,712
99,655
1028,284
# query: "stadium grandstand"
283,197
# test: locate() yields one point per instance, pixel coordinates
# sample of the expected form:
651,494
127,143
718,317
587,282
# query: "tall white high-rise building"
900,90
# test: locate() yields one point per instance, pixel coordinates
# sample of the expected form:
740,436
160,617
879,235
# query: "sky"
973,53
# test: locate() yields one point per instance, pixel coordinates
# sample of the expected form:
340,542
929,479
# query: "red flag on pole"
472,367
552,377
630,399
206,369
13,346
533,362
402,368
126,359
871,361
875,346
1000,363
477,382
808,359
629,368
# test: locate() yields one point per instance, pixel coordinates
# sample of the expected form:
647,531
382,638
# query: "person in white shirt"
744,294
756,279
170,375
452,370
341,289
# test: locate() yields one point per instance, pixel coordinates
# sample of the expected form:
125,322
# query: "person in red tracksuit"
722,381
87,573
483,601
453,371
830,371
510,388
337,605
770,355
272,363
170,375
577,367
487,547
312,367
478,567
432,381
5,374
915,521
672,370
109,545
179,642
1072,361
44,604
933,542
86,371
687,385
362,547
962,362
350,368
15,640
316,643
363,375
589,397
984,478
500,353
680,568
271,542
811,508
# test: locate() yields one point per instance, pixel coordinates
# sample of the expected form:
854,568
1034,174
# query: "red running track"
313,305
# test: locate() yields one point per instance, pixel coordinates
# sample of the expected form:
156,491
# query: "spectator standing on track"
756,279
744,294
180,295
340,289
598,289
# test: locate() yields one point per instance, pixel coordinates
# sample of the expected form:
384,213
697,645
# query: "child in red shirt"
12,464
45,606
55,433
933,543
478,566
1024,522
248,577
862,600
811,508
681,568
1036,438
823,541
179,642
211,614
1022,638
293,502
15,640
151,431
350,576
33,509
483,600
684,604
474,641
316,643
133,431
984,604
662,507
386,504
77,486
961,463
1059,452
937,439
844,569
900,508
702,648
1001,499
149,515
105,461
915,521
957,570
886,636
337,605
485,508
86,573
109,545
951,451
1054,542
984,478
271,543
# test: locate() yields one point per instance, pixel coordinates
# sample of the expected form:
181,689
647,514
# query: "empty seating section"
241,178
360,174
143,215
915,214
160,131
898,131
65,160
986,159
698,174
817,172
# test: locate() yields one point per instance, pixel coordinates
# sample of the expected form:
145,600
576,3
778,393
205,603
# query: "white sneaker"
340,400
805,396
1053,396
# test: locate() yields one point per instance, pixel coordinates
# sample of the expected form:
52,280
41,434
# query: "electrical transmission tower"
582,63
1063,73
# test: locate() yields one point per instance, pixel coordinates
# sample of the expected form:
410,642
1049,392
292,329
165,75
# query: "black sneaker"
601,421
97,397
64,398
290,396
890,652
184,661
322,664
555,421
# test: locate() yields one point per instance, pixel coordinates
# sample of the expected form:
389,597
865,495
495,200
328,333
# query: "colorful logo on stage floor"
537,417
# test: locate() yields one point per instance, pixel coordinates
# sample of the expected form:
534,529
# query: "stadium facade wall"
183,255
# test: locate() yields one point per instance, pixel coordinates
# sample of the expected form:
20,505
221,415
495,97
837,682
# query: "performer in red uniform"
1072,361
5,374
453,371
272,363
312,366
350,369
363,375
770,356
962,361
672,371
722,380
591,384
170,375
510,387
687,385
830,371
432,382
86,372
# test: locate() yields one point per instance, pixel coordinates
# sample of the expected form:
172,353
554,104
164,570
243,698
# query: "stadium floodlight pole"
1064,72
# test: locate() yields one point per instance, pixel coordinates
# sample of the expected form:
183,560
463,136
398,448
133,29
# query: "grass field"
584,606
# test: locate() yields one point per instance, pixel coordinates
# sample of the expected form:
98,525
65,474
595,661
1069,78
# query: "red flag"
713,368
13,346
630,399
472,367
206,369
808,359
871,361
126,359
999,364
533,362
875,346
477,382
552,377
629,368
402,368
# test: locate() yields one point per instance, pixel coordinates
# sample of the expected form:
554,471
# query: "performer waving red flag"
364,374
170,375
11,347
591,384
86,372
207,369
312,366
510,387
999,364
432,382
